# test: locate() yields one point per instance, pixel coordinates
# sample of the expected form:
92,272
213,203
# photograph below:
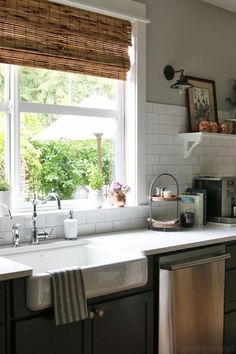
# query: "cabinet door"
230,290
230,333
2,339
2,303
42,336
2,319
125,326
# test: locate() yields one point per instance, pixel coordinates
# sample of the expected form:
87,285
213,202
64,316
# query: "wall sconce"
182,83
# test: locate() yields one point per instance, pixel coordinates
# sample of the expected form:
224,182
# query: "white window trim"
21,107
135,119
134,165
124,9
70,110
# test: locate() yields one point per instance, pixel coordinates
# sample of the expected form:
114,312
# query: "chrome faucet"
42,235
15,227
8,209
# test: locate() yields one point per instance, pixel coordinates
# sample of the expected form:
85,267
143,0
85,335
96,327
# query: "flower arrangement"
117,187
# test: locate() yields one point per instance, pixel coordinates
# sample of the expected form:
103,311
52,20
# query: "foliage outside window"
61,162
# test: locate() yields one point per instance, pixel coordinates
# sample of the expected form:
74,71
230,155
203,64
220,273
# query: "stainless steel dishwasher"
191,302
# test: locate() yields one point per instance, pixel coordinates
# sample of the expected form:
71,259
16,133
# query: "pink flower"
117,187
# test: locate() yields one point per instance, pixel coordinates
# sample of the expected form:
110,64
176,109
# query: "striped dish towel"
69,298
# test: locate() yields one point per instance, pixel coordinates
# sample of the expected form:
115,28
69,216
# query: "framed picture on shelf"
201,102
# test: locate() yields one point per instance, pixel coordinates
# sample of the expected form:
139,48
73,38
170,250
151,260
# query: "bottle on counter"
70,227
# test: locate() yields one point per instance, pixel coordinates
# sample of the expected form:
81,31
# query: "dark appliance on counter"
221,198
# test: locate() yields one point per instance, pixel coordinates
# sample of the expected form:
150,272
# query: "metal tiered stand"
161,224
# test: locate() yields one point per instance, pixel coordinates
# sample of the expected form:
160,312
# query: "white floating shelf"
191,140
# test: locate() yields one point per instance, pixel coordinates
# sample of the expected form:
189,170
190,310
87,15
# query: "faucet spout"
52,195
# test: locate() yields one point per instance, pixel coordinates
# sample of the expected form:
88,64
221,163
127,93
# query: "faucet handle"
15,226
51,230
15,234
43,235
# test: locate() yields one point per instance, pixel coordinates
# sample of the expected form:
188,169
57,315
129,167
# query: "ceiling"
229,5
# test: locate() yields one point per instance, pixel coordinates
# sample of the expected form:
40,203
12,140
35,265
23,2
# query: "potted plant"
95,184
118,193
5,196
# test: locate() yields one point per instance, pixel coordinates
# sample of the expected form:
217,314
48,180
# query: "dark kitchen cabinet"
121,326
121,323
4,318
230,302
41,336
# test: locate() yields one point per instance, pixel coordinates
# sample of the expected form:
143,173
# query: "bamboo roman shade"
44,34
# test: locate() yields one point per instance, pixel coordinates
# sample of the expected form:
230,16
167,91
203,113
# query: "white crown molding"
229,5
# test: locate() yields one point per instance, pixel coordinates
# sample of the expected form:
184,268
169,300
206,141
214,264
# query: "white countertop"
151,242
147,242
13,270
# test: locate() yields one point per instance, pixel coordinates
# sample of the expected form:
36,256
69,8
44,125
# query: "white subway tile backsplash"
166,160
6,238
52,219
113,214
183,111
159,129
121,225
153,139
172,150
166,139
172,129
59,232
95,216
143,211
81,216
149,127
86,229
161,149
153,159
175,110
129,212
138,223
222,151
149,107
159,108
104,227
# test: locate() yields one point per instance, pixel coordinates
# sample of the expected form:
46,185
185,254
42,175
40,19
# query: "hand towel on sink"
69,298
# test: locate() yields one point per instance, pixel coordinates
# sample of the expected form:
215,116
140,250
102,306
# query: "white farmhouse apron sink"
105,271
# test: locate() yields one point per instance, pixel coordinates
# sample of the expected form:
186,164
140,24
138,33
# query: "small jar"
223,128
213,127
204,126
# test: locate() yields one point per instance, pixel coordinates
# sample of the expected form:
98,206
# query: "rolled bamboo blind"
43,34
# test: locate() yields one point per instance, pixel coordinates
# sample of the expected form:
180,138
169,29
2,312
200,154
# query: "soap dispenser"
70,227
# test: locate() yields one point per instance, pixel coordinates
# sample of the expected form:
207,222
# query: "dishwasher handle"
195,261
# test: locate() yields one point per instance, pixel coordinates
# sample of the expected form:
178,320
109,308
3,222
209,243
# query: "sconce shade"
182,83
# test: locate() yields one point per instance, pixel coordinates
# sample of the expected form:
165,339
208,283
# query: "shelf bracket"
190,142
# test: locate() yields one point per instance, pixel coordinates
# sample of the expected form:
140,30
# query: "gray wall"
193,35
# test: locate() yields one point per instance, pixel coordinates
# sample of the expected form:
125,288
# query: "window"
57,120
29,111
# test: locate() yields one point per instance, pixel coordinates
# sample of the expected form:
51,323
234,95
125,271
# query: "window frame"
22,107
133,133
